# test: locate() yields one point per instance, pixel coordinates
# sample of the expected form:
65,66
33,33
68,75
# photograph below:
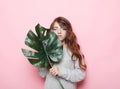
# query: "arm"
75,75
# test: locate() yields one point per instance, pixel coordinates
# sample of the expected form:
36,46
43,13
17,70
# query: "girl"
71,69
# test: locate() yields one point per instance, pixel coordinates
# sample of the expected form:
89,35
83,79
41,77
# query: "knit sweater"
69,73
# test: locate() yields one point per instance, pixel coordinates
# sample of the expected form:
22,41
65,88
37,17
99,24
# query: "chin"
61,39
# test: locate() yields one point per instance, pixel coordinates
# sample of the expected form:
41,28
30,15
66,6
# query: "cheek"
65,34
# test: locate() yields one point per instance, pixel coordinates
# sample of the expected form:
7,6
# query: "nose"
59,31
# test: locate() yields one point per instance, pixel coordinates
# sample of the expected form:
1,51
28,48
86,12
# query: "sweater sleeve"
42,72
75,75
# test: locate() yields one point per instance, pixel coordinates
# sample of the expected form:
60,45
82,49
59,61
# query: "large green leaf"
46,45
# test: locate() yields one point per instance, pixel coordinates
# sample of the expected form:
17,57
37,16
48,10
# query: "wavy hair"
70,40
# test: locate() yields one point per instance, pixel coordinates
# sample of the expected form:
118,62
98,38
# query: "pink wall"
95,22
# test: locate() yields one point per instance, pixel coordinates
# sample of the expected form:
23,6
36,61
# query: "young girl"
71,68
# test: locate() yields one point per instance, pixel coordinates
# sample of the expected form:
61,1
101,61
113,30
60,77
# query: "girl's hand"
54,71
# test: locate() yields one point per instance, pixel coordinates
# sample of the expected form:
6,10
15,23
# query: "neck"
64,44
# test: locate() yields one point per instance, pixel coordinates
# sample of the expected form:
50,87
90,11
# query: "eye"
54,29
64,29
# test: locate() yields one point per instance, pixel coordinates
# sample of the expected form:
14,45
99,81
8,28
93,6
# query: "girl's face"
60,32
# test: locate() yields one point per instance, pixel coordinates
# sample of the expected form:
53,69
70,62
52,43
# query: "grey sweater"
69,73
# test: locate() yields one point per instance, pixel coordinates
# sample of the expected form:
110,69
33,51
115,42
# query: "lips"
60,36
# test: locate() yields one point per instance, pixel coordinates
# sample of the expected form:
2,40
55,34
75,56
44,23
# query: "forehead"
59,25
56,24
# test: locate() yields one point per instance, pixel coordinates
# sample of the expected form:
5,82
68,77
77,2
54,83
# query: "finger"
51,69
54,73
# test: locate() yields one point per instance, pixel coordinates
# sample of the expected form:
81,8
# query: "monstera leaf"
46,47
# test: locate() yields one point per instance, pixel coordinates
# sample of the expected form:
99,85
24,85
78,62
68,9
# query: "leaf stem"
56,76
60,82
51,66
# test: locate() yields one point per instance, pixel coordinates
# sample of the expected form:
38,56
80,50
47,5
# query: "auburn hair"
70,40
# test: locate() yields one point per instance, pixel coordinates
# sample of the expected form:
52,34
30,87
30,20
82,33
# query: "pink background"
95,22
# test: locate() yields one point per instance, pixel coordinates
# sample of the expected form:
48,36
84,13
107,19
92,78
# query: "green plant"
47,48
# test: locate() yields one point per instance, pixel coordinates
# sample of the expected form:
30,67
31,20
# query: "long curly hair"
70,40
